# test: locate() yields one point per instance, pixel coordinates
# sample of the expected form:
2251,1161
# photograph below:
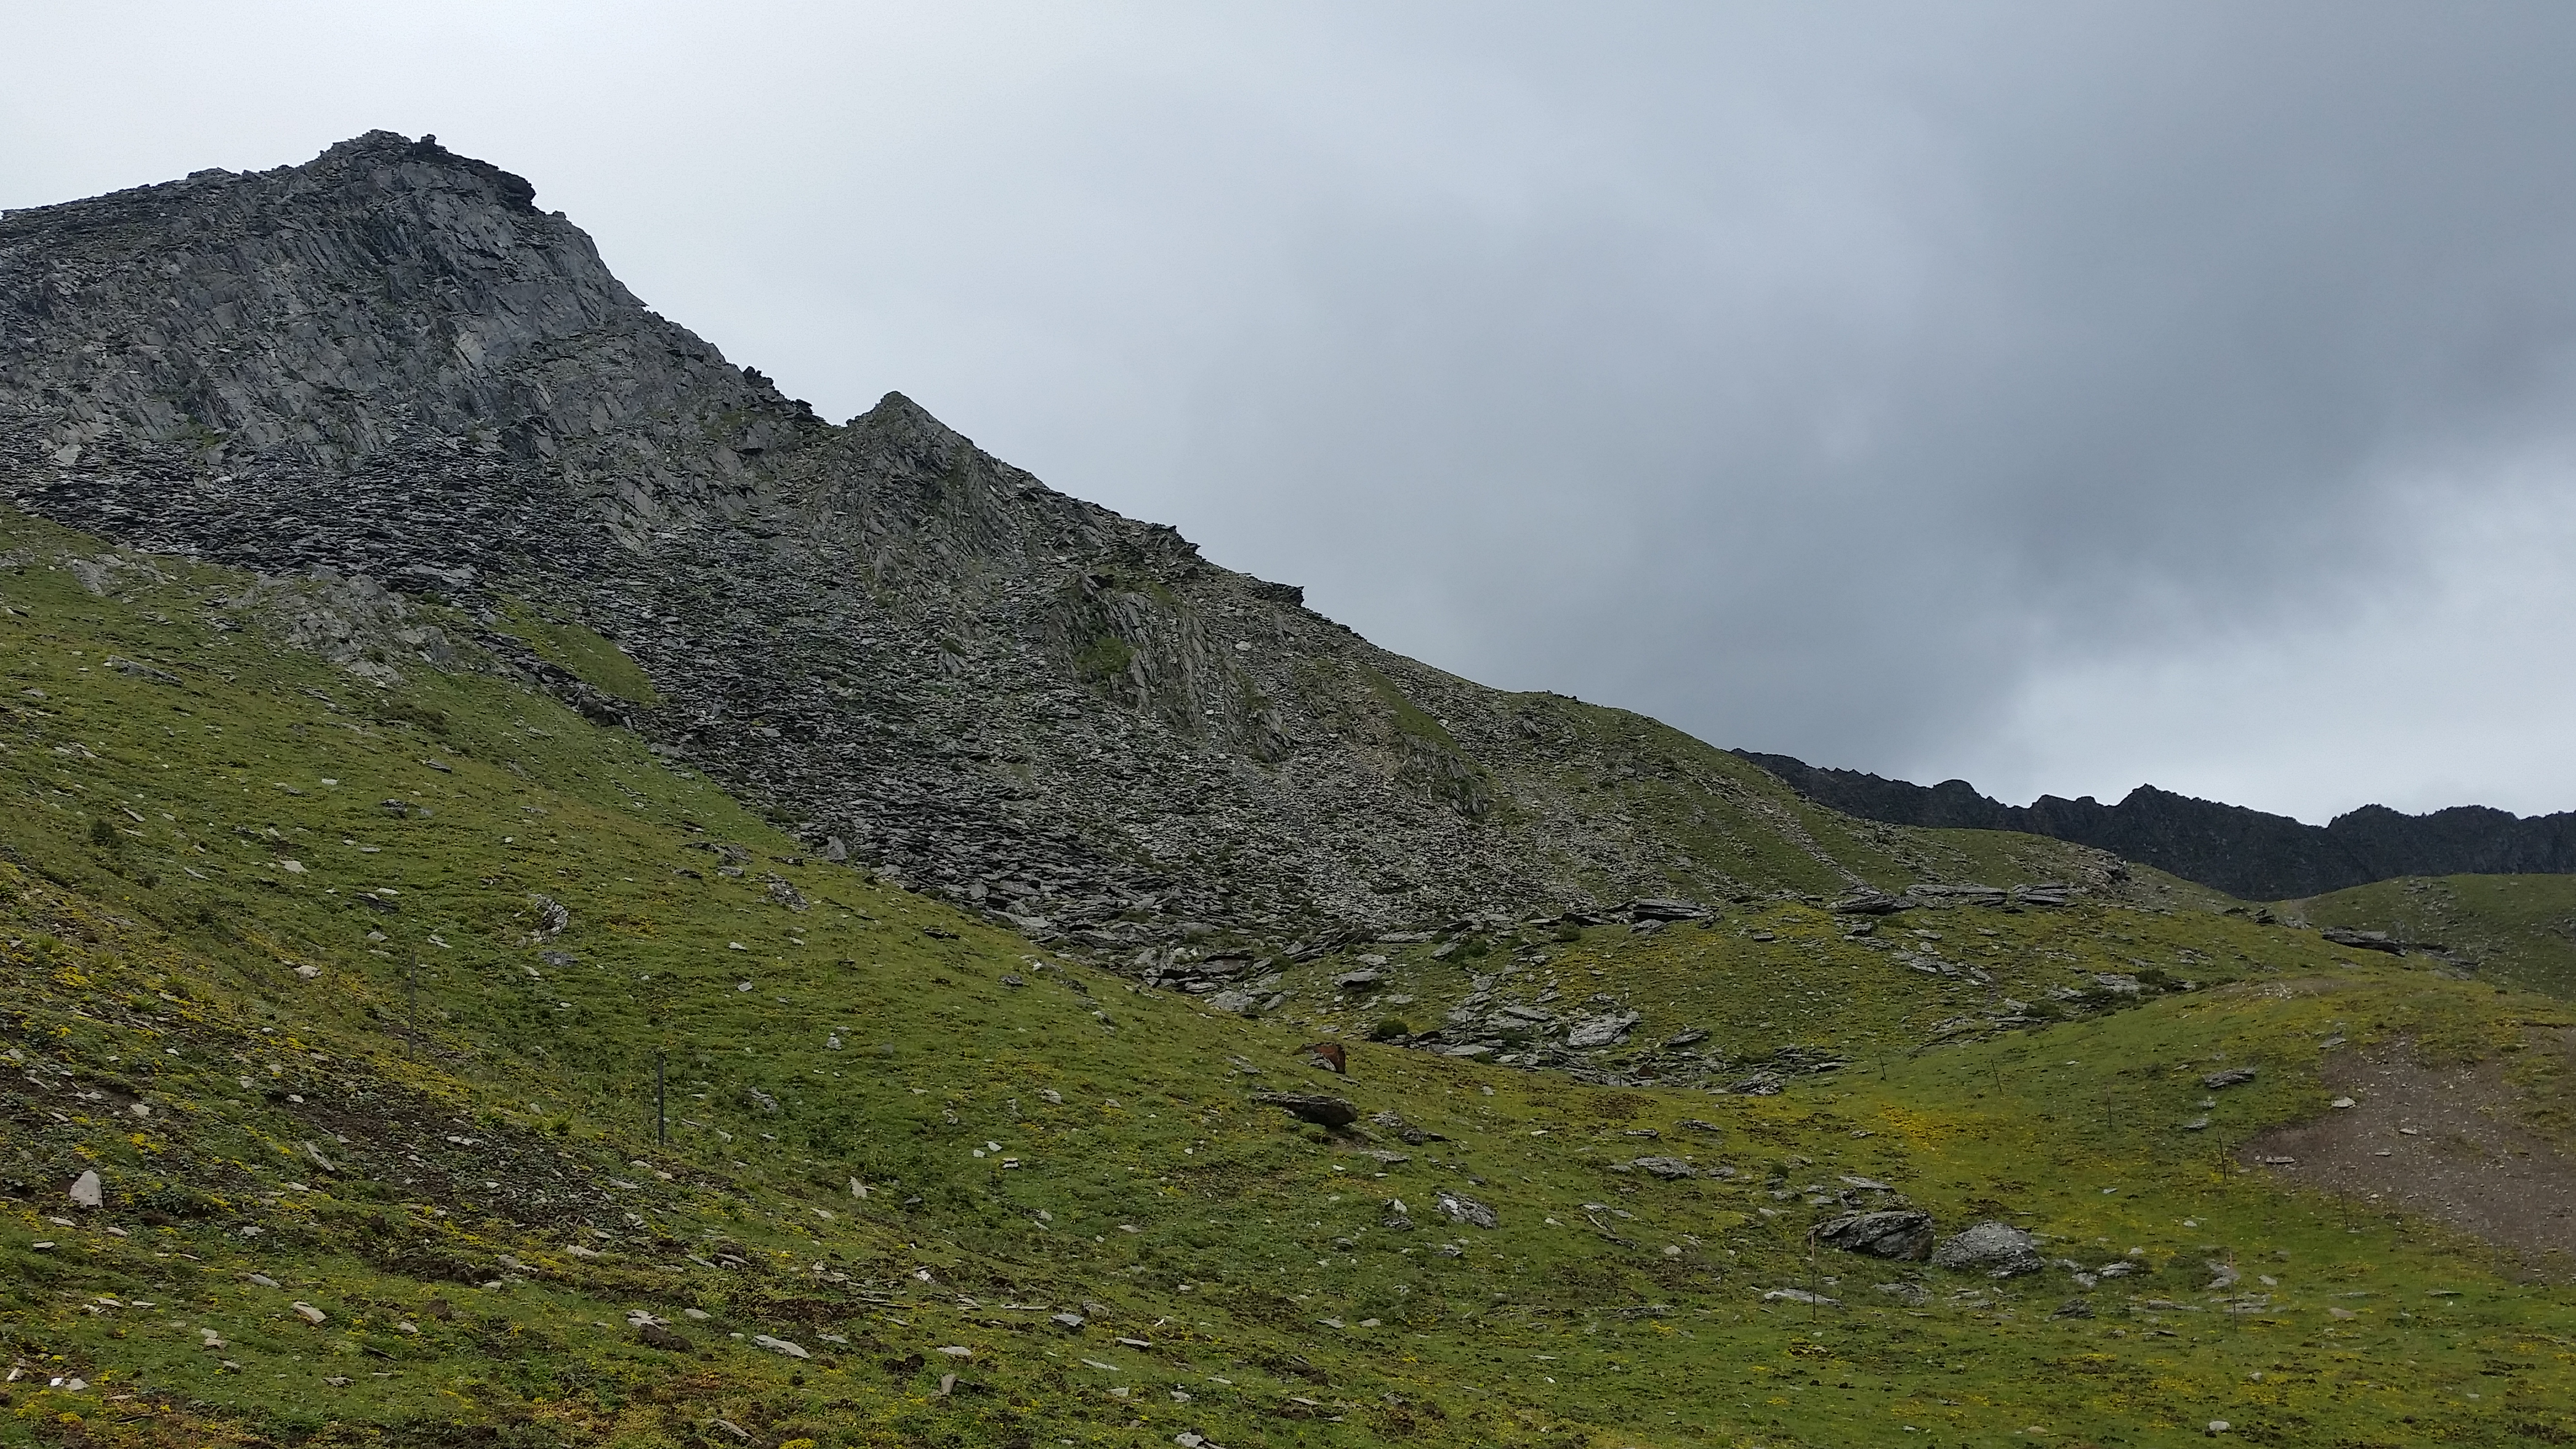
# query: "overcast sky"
2060,396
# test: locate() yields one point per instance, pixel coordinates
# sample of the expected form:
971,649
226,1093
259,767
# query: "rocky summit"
391,369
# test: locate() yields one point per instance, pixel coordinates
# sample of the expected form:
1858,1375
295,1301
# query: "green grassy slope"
1735,829
1784,980
2519,929
397,1060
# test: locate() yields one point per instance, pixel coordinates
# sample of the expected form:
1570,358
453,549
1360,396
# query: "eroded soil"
2440,1141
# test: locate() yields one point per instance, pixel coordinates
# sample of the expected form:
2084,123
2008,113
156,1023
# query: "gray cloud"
2059,395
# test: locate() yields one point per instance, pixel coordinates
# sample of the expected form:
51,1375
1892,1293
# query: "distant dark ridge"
2245,853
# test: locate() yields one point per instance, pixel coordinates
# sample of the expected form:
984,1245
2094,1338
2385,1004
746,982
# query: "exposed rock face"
2243,852
1902,1233
389,364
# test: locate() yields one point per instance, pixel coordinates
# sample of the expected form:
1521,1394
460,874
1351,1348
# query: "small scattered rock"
87,1191
1460,1208
1667,1168
1800,1295
136,669
655,1335
1601,1031
308,1312
1413,1136
2233,1076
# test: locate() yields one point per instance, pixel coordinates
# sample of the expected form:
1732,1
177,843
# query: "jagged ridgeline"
2244,852
389,363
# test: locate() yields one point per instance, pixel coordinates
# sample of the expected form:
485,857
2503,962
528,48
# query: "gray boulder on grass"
1998,1250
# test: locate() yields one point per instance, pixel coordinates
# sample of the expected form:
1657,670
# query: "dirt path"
2438,1141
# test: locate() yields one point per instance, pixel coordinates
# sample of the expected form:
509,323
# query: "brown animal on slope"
1330,1054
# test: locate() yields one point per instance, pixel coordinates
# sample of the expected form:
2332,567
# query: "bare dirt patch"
2440,1141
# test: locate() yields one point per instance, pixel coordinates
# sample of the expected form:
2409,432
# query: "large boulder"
1904,1233
1323,1111
1998,1250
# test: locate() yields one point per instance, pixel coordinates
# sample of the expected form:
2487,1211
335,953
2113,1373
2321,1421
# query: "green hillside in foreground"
353,996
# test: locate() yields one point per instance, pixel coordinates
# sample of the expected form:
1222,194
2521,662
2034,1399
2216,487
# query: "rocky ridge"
2246,853
387,366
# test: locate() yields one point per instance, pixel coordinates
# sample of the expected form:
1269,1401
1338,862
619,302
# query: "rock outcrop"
391,367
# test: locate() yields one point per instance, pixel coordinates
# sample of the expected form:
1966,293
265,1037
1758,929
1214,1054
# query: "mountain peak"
386,362
376,152
388,294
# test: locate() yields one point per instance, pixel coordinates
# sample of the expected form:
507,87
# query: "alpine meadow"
555,897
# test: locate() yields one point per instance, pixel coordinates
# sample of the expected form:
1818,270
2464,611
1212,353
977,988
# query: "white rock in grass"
1800,1295
780,1346
87,1191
